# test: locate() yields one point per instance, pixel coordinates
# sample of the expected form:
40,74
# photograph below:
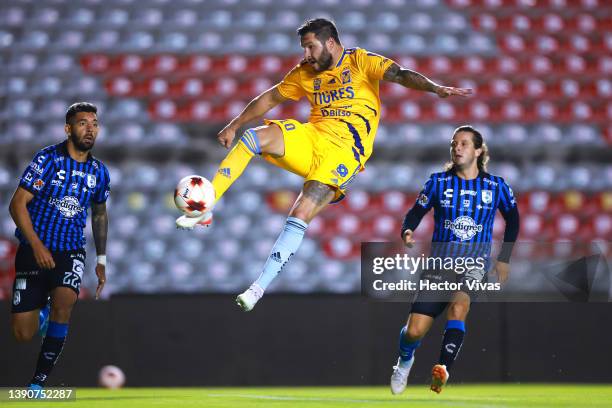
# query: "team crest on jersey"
91,180
487,196
316,84
346,76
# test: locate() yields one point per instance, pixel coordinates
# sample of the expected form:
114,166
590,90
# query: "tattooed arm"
99,227
414,80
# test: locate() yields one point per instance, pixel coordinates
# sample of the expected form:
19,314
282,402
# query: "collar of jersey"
64,150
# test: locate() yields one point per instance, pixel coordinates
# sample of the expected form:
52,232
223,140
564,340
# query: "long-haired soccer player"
465,199
50,208
329,150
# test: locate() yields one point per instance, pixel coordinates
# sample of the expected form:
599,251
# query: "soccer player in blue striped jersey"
465,199
50,209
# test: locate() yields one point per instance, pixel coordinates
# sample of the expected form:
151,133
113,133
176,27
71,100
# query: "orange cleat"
439,377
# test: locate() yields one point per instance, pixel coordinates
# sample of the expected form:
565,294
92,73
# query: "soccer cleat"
439,377
247,299
43,319
188,223
399,378
36,391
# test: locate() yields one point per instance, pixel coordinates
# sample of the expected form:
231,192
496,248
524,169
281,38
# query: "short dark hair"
479,143
322,28
79,107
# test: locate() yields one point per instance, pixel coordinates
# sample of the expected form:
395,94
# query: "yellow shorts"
309,153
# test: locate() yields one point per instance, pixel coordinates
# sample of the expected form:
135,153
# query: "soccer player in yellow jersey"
329,150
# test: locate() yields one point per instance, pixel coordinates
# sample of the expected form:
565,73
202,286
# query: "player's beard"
84,144
325,60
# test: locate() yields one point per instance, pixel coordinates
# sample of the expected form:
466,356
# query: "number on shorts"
72,279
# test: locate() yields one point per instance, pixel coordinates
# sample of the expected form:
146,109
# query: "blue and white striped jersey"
63,191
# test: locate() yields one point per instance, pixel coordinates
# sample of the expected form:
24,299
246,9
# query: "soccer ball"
111,377
194,195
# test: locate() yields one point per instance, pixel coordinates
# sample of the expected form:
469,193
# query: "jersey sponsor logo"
16,298
61,174
78,173
69,206
484,207
36,168
450,348
91,180
423,200
316,84
448,193
446,204
468,192
491,182
441,179
342,170
334,112
74,186
57,183
463,227
325,97
346,76
466,203
487,196
38,184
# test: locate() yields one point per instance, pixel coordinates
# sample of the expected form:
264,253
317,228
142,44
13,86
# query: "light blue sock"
286,245
406,348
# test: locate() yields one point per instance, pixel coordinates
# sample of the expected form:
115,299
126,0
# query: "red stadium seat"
95,63
195,65
160,64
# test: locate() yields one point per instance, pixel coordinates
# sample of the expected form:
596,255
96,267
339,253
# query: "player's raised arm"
414,80
256,108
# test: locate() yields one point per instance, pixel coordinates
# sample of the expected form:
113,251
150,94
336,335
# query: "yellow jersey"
345,102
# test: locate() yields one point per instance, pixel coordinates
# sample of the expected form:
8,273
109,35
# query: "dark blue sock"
406,348
49,352
451,344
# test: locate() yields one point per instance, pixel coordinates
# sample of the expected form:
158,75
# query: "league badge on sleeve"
38,184
423,200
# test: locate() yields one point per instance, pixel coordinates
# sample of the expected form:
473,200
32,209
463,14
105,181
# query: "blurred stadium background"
167,75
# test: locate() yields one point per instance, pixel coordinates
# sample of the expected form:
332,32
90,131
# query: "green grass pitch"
513,395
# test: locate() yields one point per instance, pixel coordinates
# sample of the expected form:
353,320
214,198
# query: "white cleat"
247,299
188,223
399,378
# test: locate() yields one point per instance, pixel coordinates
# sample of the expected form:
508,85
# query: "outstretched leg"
261,140
313,198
